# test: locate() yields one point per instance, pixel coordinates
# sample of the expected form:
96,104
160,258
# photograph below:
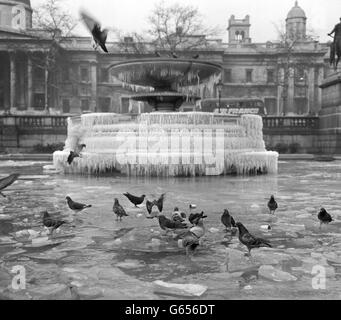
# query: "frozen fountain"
167,142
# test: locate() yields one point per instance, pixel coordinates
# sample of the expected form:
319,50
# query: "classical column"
311,89
12,81
46,91
320,78
290,93
93,71
29,83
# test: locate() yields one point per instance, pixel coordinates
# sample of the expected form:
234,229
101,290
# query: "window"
39,101
85,74
66,106
104,75
38,73
299,74
301,106
104,104
249,75
270,76
270,106
65,74
227,75
85,105
2,99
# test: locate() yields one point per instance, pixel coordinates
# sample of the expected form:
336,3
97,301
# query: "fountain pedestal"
330,115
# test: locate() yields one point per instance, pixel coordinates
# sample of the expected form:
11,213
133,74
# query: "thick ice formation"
168,144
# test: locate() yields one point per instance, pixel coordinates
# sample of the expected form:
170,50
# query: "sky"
131,15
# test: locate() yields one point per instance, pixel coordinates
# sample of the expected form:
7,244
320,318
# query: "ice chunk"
274,274
174,289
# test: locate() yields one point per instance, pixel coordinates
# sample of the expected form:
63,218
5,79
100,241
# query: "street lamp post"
219,88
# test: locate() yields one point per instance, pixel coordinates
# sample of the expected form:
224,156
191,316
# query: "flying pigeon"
52,224
249,240
99,36
159,202
7,181
133,199
324,217
76,206
149,206
118,210
75,154
272,205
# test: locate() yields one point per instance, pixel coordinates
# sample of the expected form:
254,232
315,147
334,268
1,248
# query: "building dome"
296,12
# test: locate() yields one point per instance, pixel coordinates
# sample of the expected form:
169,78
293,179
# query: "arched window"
242,35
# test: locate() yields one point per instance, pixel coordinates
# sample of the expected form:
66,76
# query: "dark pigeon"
249,240
196,56
157,54
7,181
227,220
76,206
75,154
272,205
159,202
99,36
324,217
118,210
51,223
149,206
133,199
166,224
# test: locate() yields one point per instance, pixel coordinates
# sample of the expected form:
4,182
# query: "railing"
296,123
60,121
34,121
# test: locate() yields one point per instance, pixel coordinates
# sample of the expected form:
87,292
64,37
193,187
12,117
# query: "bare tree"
52,22
176,27
292,64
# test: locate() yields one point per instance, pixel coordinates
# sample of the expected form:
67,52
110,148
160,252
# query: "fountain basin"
168,144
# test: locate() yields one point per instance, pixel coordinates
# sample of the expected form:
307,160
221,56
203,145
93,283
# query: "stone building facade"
285,75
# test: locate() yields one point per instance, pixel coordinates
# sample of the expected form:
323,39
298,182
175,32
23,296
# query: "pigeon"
272,205
75,206
133,199
190,238
51,223
157,54
159,202
178,216
174,55
149,206
99,36
72,156
324,217
196,56
167,224
227,220
192,206
7,181
249,240
118,210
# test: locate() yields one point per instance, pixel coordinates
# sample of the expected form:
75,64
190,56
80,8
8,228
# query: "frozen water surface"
106,259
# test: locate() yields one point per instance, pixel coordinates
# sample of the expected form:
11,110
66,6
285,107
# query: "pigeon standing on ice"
99,36
52,224
167,224
324,217
178,216
133,199
76,206
249,240
227,220
7,181
272,205
118,210
190,238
